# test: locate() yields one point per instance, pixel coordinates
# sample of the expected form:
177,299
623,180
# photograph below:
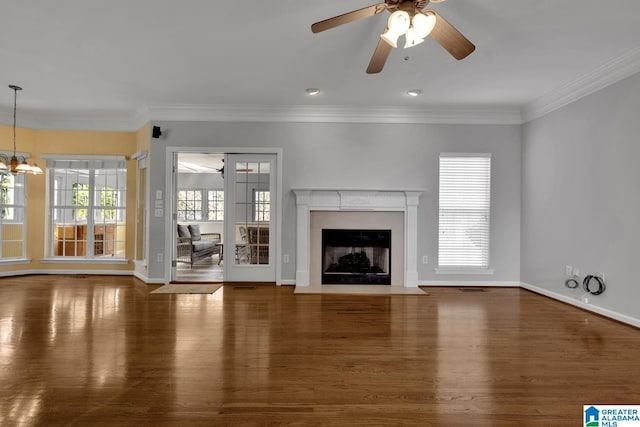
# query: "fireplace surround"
390,204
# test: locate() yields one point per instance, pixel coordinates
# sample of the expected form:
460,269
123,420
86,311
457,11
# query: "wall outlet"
160,257
425,259
285,258
568,270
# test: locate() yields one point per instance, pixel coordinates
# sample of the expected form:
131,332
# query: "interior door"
249,238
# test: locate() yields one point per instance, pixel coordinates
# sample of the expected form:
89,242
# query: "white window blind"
465,199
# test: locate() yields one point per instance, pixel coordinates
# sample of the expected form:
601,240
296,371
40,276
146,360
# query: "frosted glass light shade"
423,24
398,24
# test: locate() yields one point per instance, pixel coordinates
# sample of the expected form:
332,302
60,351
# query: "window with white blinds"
464,209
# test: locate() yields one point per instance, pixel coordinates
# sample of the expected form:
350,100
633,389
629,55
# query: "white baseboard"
464,283
288,282
589,307
147,280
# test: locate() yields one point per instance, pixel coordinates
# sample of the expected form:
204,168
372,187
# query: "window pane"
189,205
215,205
262,203
12,214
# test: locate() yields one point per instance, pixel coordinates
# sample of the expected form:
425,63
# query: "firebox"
356,257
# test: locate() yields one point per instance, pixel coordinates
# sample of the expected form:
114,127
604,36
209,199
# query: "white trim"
169,240
15,261
147,280
291,282
612,71
578,303
468,284
80,260
82,157
467,271
336,114
140,155
480,155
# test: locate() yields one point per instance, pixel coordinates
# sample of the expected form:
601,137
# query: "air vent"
473,290
244,288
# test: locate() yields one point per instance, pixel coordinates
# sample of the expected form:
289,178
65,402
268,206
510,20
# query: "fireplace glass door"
354,257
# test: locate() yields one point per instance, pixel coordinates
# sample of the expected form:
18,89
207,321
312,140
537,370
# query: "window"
465,183
200,205
87,201
215,205
189,205
262,205
12,214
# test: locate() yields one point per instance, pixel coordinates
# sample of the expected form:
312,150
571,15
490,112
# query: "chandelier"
17,164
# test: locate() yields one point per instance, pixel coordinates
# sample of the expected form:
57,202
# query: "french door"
250,217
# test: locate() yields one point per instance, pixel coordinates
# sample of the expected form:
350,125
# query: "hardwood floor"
206,270
102,351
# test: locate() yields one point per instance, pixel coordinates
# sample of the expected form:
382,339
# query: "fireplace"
356,257
318,209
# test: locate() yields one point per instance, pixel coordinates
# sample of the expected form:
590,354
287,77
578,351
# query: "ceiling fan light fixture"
423,24
398,24
411,39
390,38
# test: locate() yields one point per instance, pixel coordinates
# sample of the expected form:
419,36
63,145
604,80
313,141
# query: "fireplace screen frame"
355,240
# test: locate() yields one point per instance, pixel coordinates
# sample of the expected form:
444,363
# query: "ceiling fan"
408,18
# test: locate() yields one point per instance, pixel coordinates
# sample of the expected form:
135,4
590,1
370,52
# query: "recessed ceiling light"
312,91
414,92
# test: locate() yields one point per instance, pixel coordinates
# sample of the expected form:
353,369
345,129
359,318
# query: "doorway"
232,199
199,213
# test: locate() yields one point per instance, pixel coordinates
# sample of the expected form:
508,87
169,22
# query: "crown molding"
89,120
613,71
335,114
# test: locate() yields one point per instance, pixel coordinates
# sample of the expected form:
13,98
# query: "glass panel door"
249,234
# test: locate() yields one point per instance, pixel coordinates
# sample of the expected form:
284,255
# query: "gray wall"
581,197
368,156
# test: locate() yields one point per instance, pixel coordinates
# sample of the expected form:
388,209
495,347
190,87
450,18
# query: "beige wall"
40,142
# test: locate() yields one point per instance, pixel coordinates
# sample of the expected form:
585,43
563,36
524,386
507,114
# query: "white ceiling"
117,63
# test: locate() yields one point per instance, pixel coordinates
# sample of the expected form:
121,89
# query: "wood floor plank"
102,350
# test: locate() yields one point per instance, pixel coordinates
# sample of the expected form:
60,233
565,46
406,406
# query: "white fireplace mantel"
308,200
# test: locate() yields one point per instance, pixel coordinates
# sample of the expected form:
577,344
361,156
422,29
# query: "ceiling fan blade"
379,57
450,38
345,18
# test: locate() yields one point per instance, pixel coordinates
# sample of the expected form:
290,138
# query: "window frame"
103,236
